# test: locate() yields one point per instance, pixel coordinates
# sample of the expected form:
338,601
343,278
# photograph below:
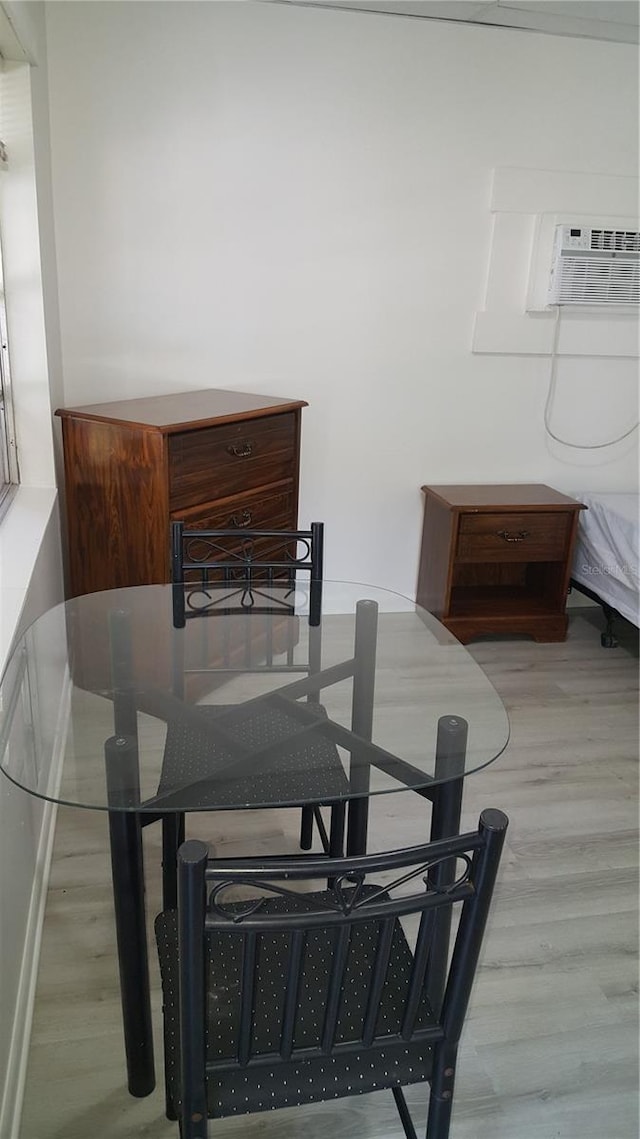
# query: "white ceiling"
594,19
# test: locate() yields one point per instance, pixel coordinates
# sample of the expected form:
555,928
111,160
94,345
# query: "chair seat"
236,1090
221,764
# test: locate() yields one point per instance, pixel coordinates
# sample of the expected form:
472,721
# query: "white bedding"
606,555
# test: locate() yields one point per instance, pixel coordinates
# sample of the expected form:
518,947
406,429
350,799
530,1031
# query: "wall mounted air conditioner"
595,266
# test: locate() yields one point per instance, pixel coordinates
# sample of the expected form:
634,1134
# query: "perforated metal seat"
195,760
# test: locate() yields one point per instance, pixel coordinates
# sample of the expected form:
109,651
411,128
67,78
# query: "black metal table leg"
313,695
173,835
362,722
451,746
127,866
127,871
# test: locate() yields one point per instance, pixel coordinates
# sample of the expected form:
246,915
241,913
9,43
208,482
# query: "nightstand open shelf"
466,601
497,559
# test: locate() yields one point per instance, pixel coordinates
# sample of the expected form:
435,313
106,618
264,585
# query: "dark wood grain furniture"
212,458
497,559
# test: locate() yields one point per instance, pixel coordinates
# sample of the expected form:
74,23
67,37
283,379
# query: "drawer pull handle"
519,537
240,520
241,450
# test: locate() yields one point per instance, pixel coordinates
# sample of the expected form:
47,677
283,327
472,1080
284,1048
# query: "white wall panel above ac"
512,242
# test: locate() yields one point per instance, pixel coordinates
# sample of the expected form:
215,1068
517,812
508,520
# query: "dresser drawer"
504,537
261,510
217,462
258,510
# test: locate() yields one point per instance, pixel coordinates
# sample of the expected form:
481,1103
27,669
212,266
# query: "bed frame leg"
608,639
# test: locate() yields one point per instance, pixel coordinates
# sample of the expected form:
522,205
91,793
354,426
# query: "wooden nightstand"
497,559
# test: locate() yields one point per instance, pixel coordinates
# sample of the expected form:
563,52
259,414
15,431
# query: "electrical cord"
550,396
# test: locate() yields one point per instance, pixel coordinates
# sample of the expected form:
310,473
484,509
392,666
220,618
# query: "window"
8,456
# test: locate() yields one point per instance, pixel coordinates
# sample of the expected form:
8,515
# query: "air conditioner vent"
595,267
615,239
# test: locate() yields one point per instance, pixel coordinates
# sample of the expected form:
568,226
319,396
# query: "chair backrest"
222,572
353,916
245,556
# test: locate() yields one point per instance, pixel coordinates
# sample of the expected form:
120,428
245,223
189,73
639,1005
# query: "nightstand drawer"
526,537
221,461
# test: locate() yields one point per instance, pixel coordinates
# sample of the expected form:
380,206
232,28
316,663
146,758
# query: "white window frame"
9,470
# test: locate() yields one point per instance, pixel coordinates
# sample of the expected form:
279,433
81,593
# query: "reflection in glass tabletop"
374,674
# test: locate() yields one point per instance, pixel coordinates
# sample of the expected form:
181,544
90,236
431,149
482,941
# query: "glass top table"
97,690
123,670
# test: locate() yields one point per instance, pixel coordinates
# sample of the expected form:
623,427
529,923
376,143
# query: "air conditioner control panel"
573,237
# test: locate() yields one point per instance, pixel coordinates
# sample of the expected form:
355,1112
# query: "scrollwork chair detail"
296,997
249,561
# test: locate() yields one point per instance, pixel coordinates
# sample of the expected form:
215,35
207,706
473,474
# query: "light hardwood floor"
550,1048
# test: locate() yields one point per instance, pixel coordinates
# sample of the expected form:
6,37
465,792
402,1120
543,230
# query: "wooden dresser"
497,559
213,458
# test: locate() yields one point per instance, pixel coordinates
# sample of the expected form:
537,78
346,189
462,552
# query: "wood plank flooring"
550,1048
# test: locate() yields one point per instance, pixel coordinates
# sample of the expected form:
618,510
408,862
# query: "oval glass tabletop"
266,697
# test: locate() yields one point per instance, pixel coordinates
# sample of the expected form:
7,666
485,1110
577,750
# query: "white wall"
298,202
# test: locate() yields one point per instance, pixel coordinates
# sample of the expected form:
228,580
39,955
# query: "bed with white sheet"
605,564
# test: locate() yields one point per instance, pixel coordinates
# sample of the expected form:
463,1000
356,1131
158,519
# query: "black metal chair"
217,572
293,997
